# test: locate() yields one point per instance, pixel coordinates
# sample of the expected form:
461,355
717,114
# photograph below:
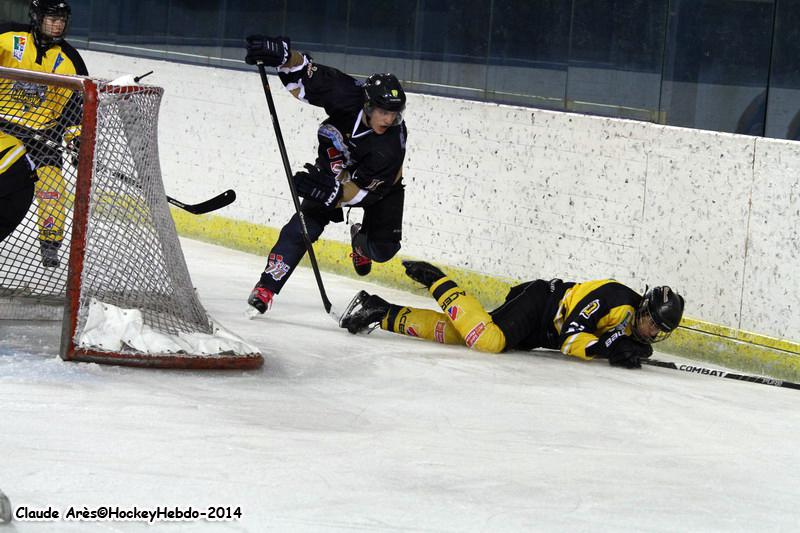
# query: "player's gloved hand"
271,51
628,353
318,185
422,272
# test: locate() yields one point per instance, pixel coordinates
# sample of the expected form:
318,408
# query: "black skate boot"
364,312
49,253
423,272
361,263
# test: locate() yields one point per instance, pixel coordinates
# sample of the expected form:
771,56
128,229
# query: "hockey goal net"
98,248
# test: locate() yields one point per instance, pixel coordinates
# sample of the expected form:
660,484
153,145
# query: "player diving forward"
38,114
359,162
601,318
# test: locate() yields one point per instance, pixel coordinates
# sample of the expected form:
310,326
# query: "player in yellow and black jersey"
40,116
601,318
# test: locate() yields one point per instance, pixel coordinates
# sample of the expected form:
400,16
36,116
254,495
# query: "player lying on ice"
600,318
359,162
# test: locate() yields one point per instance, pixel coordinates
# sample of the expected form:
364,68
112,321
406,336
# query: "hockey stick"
692,369
287,167
212,204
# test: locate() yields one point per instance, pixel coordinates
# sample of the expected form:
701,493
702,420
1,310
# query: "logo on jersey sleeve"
590,309
20,41
335,159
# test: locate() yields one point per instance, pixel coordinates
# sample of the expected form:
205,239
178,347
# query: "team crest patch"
19,46
453,312
475,334
438,331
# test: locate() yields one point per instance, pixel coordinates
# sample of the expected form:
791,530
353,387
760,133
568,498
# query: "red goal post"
122,281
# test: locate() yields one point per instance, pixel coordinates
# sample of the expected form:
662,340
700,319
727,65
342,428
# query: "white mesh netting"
134,283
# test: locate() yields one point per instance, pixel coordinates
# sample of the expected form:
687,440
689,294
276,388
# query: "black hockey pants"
526,317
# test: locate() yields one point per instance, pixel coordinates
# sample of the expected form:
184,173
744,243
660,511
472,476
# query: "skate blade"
357,300
252,313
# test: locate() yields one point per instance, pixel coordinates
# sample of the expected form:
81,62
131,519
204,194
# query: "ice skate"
364,312
260,301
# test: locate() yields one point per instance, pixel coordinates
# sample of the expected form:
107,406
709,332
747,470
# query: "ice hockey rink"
382,433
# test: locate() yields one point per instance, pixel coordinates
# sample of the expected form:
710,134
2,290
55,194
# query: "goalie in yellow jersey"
600,318
43,117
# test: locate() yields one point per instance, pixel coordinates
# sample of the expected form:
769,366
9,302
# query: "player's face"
646,329
381,120
53,25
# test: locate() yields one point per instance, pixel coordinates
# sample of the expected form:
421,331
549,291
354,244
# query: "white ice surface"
385,433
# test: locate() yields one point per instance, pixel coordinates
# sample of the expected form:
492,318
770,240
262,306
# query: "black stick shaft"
287,167
694,369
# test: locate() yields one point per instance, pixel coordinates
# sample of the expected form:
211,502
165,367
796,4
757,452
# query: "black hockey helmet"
41,8
664,308
384,91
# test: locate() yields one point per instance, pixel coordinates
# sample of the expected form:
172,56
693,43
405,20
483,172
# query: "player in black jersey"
359,162
601,318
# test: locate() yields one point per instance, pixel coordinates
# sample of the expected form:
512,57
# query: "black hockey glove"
318,185
422,272
628,353
620,350
272,51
